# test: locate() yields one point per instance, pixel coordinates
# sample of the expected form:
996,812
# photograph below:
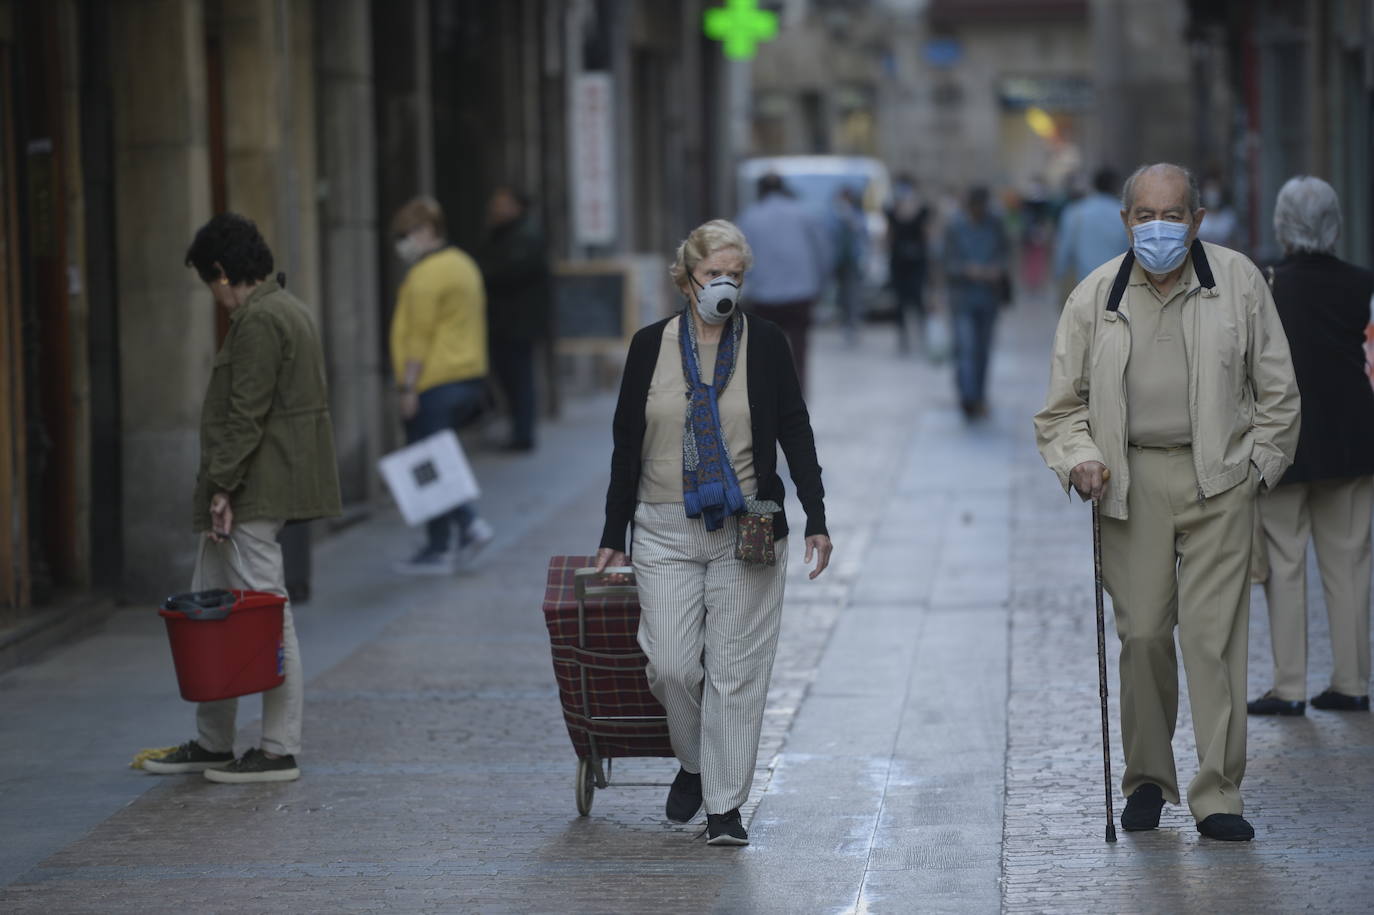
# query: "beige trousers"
256,565
1335,516
1182,562
709,625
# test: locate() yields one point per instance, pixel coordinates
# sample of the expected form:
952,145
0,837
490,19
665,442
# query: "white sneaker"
477,537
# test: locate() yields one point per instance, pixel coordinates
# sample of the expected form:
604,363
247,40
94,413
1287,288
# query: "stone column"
166,318
269,131
404,116
351,317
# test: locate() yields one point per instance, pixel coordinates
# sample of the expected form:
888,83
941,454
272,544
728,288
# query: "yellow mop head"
148,754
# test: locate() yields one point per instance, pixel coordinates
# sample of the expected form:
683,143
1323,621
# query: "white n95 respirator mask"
717,300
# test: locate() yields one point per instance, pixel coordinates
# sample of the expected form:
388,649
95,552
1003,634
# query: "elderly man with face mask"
1172,401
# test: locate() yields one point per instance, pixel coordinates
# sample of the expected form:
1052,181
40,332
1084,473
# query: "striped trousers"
709,626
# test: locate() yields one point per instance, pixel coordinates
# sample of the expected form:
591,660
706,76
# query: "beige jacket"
1242,395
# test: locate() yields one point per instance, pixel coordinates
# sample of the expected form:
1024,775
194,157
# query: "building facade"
124,125
1298,90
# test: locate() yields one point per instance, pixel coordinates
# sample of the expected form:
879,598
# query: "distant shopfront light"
1039,120
740,25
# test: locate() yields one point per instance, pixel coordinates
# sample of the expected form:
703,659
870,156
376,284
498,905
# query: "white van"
815,180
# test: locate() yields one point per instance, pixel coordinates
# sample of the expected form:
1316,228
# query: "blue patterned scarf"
710,489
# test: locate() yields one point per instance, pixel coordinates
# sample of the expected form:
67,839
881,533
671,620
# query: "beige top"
1157,371
665,414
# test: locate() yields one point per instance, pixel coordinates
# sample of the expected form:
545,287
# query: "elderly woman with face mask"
1327,496
707,397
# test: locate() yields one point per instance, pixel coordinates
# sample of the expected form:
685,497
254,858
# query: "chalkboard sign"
593,305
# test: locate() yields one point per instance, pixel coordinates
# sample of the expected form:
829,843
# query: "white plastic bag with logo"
430,477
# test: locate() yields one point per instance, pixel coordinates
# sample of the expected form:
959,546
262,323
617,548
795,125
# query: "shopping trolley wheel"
585,788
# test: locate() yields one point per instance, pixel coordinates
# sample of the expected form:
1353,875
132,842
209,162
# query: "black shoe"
1269,704
1332,701
189,757
1142,808
256,766
725,829
1226,827
684,798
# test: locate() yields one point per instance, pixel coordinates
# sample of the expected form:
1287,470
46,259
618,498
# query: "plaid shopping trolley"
593,624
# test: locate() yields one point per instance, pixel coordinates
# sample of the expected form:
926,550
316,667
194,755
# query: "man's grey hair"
1307,215
1128,189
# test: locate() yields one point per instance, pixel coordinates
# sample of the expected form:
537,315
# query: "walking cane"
1102,660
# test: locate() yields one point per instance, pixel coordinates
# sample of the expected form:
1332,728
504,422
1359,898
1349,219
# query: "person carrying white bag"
439,356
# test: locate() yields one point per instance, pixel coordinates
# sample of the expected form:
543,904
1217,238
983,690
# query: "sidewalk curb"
52,627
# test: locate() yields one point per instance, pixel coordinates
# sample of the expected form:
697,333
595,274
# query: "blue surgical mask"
1160,246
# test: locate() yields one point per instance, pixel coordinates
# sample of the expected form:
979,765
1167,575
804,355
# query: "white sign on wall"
593,155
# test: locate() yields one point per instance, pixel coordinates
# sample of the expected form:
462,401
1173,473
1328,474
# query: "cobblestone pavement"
931,743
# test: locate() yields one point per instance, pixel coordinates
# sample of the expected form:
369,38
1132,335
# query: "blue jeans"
446,406
973,325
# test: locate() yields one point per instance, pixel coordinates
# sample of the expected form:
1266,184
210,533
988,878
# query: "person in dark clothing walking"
976,264
515,266
1327,496
907,221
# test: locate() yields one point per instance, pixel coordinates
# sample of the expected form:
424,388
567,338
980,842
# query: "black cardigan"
777,416
1324,305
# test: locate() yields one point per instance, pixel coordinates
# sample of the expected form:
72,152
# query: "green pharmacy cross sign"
741,25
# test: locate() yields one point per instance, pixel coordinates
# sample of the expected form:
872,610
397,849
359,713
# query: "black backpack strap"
1123,277
1202,267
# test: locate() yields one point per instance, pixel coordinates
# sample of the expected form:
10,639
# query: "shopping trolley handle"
583,581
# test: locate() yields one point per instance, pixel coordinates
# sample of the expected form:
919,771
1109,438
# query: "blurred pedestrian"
791,262
439,357
515,268
1222,225
266,459
1090,231
1171,371
976,272
851,250
1327,496
908,221
1037,232
702,492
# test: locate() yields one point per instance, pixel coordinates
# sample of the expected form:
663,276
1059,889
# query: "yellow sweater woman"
440,321
439,356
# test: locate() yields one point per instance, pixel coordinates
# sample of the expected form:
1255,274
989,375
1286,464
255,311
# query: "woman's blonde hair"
705,240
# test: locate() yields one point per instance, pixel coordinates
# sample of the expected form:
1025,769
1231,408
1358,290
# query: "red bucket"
233,656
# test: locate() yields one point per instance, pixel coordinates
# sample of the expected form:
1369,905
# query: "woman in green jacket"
267,458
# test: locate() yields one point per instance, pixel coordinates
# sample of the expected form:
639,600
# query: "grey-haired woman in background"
1327,496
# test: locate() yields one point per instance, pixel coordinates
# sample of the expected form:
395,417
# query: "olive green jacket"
265,434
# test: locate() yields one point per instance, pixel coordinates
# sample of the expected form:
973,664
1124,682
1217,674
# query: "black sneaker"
1226,827
725,829
256,766
189,757
1269,704
1332,701
1142,808
684,798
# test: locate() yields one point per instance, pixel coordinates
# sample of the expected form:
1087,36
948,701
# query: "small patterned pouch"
754,538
